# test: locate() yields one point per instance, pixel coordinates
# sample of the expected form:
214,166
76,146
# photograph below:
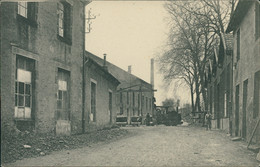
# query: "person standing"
208,120
147,119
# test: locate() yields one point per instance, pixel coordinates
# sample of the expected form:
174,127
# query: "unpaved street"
155,146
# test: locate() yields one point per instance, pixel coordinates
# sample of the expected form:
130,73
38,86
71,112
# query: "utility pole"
84,61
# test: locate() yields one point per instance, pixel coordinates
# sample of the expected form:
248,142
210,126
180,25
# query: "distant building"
134,96
245,26
42,47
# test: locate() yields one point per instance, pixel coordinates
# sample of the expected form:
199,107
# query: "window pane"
27,101
16,87
16,100
21,88
21,100
60,95
61,32
22,9
59,103
27,89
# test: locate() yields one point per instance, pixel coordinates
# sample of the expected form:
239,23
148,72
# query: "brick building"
42,47
134,97
246,69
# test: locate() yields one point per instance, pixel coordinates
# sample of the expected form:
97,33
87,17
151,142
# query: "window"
93,102
257,18
133,99
27,12
63,107
23,88
146,103
61,19
256,94
64,22
150,104
127,97
22,9
110,105
238,44
121,104
142,102
138,101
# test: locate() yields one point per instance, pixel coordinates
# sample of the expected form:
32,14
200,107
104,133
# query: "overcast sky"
131,33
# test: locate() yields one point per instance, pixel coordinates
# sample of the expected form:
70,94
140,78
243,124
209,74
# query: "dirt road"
155,146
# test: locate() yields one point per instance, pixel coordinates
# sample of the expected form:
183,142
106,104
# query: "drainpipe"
83,73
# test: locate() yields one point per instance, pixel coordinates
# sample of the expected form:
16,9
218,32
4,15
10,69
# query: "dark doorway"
110,106
244,108
237,111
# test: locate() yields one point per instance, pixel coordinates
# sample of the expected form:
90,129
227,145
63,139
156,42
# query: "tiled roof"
227,40
123,76
108,74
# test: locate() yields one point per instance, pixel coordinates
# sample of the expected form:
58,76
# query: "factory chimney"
105,62
152,73
130,69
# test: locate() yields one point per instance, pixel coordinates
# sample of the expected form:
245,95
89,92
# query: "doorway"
237,111
244,108
110,106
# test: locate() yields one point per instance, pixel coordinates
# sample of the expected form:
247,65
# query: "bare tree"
196,28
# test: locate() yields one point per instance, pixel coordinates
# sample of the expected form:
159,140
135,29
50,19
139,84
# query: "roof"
109,75
228,41
123,76
239,13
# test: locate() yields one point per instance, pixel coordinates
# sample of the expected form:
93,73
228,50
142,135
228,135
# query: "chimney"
105,62
152,73
129,69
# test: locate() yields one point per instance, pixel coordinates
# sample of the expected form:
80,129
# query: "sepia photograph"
130,82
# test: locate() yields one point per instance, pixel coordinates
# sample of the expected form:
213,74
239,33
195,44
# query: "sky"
131,33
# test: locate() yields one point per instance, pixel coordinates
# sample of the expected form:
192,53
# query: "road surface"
155,146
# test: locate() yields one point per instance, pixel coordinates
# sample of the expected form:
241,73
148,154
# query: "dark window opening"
238,44
256,94
27,12
121,104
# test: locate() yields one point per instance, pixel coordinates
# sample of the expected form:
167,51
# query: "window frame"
66,22
94,119
63,75
238,38
28,65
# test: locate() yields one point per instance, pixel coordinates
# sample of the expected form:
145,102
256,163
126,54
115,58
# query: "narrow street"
155,146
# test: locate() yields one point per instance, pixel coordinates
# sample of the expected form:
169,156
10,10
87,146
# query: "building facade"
101,87
219,86
246,70
134,96
42,47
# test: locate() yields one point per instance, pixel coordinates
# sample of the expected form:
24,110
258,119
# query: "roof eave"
239,13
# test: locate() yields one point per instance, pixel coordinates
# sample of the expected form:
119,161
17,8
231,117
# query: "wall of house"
49,54
103,86
245,69
219,102
143,108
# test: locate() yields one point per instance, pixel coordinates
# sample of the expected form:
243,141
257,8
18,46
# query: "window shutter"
67,21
